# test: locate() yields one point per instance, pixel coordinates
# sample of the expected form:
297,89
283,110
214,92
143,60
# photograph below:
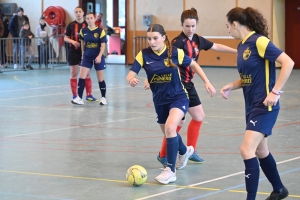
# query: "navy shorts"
193,95
162,111
88,62
262,122
74,57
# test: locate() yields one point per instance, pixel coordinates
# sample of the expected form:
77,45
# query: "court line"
70,127
209,181
240,185
28,195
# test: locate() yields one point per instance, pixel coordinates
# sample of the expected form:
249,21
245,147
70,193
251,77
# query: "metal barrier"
52,54
139,43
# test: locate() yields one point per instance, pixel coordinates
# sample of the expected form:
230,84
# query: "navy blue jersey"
164,80
256,65
93,39
191,48
72,31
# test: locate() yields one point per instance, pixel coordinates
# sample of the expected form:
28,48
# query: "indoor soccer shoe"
77,101
166,176
91,98
182,159
277,196
103,101
162,160
196,158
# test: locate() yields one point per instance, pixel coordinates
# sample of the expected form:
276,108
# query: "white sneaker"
103,101
182,159
1,66
77,101
167,176
15,66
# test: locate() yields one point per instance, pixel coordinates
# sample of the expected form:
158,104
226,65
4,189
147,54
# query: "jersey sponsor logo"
164,78
148,63
91,45
246,79
253,122
246,54
96,35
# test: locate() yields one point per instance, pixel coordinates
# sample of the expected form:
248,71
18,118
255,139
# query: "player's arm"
82,46
223,48
225,91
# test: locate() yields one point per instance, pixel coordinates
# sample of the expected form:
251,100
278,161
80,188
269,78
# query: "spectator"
3,55
42,31
25,44
14,28
98,21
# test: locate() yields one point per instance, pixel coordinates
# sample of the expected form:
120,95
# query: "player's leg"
100,67
73,60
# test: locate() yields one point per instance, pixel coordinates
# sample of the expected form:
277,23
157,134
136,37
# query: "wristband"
275,93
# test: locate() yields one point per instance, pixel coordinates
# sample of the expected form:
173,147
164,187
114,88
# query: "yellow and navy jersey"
256,65
92,39
72,31
164,80
191,48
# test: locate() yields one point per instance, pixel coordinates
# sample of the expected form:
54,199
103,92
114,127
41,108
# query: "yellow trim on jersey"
246,38
267,69
102,34
91,29
139,58
261,45
159,53
80,32
180,56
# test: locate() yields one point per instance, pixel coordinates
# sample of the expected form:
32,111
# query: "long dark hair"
189,14
160,29
249,17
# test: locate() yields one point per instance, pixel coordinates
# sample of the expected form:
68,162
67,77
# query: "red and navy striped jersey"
72,31
92,39
164,80
256,65
191,48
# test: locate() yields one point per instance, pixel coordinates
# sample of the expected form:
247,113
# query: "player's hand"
98,59
210,89
271,99
133,82
225,91
76,44
146,84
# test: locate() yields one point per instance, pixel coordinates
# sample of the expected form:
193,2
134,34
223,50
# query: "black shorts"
193,95
74,57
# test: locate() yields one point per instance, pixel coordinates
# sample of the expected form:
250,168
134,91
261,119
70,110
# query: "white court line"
70,128
208,181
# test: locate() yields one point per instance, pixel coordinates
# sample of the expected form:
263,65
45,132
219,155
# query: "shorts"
262,122
162,111
74,57
193,95
88,62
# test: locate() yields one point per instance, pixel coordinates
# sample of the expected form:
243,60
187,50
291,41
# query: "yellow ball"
136,175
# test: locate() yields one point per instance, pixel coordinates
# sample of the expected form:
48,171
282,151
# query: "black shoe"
29,67
277,196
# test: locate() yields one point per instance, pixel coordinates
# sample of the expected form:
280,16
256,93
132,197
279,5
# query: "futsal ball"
136,175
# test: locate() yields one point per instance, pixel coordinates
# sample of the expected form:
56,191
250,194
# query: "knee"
170,131
262,152
246,152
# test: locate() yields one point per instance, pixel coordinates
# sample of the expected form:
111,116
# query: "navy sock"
172,150
251,177
181,148
81,86
268,165
102,87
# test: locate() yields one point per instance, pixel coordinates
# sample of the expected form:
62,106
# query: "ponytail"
169,47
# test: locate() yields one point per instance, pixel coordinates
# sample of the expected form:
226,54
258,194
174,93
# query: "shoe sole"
73,102
197,162
185,162
173,179
102,103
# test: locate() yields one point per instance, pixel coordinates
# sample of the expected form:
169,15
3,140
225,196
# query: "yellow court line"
266,193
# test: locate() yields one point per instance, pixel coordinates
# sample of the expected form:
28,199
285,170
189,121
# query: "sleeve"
138,63
37,31
11,27
176,42
266,49
103,37
183,60
81,37
1,28
21,33
205,44
68,31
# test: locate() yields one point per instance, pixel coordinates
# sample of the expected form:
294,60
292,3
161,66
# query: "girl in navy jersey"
74,53
170,98
93,40
192,44
256,66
